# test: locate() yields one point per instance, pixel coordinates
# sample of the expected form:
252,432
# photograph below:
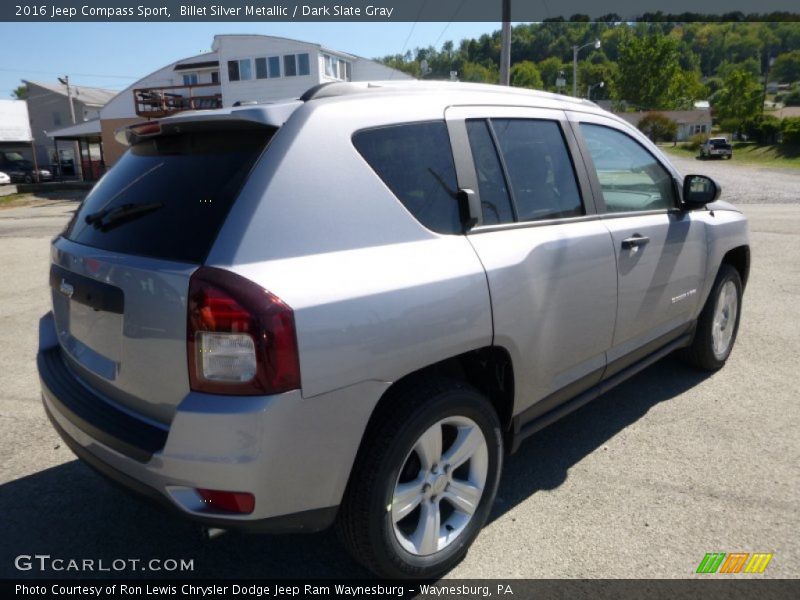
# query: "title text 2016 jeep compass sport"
346,308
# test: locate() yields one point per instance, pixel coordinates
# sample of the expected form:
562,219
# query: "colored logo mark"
734,562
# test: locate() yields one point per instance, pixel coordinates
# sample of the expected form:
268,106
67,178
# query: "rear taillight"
240,338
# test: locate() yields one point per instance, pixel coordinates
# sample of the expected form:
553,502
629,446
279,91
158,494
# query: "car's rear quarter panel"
375,294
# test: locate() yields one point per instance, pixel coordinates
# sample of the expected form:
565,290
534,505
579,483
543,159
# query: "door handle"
634,241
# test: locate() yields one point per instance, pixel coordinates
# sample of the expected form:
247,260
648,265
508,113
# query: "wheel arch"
739,259
488,369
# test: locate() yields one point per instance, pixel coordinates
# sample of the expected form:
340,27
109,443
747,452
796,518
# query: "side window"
630,177
495,202
416,162
540,171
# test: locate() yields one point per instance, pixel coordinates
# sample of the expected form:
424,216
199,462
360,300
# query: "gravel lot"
641,483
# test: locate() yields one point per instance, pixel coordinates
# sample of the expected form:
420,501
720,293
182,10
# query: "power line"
450,22
413,27
75,74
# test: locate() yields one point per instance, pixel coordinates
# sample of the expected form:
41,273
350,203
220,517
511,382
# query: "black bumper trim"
89,412
309,521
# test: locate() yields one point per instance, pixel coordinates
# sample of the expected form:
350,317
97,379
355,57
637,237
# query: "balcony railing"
157,102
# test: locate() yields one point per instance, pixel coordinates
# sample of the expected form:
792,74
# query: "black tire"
701,352
28,179
364,523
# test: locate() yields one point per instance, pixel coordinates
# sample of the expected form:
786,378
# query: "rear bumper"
293,454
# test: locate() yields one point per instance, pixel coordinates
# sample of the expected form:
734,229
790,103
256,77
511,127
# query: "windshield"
168,196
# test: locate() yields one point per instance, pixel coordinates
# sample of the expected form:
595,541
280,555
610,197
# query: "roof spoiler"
269,116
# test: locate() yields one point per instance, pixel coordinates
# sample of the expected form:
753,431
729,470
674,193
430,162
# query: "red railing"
156,102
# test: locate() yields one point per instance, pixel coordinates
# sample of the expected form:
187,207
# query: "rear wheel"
424,482
718,323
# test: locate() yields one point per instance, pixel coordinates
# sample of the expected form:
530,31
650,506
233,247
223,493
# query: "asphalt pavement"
641,483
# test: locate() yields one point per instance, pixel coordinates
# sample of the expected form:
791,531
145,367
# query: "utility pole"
505,48
770,62
76,149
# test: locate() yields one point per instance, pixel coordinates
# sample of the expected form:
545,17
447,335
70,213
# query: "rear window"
167,197
719,143
415,161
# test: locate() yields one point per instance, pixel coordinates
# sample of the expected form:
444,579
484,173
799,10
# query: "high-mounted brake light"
128,136
151,128
241,339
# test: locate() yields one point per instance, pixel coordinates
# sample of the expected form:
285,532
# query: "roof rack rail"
333,89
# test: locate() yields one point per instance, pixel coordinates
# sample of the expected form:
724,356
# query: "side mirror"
699,190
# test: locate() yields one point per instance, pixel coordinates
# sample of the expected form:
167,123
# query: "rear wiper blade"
108,218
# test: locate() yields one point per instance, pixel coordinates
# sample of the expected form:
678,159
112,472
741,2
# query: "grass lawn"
26,199
749,152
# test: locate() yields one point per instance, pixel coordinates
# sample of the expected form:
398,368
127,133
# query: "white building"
240,68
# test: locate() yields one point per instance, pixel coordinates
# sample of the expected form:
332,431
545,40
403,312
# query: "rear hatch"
120,271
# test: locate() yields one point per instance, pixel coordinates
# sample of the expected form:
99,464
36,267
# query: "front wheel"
424,481
718,323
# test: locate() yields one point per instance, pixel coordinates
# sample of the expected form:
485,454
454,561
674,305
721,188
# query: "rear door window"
539,169
415,161
495,202
168,196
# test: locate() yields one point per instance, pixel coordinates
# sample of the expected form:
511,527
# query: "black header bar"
396,10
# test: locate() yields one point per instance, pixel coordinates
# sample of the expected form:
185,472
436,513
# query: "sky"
114,55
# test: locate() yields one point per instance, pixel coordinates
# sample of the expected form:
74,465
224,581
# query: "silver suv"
345,309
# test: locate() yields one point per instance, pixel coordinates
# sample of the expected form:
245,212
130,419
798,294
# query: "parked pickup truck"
716,147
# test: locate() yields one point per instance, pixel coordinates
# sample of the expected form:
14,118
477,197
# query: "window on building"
214,76
274,63
337,68
240,70
190,79
289,65
268,67
56,118
261,68
303,67
415,162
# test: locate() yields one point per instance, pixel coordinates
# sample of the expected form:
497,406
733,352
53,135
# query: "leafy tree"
648,66
20,92
526,75
740,97
790,131
786,67
549,69
658,127
750,65
762,129
793,97
478,73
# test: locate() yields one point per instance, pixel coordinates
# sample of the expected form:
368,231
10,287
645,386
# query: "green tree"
740,97
658,127
478,73
786,67
525,74
549,69
20,92
648,66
